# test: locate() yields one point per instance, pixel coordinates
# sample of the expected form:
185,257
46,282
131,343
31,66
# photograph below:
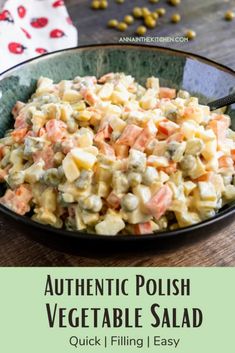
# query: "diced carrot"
20,121
124,164
113,200
89,96
160,202
167,127
172,168
103,133
47,155
165,92
143,228
225,119
121,151
106,149
17,200
225,162
205,177
219,127
41,131
233,154
188,112
3,174
31,134
55,130
16,109
106,77
129,135
19,134
178,137
145,136
2,151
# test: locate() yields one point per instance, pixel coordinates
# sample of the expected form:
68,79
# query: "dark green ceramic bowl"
203,78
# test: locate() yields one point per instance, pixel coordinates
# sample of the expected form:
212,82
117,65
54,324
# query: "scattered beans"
128,19
122,26
103,4
112,23
161,11
137,12
150,22
95,4
175,18
229,15
190,34
174,2
141,30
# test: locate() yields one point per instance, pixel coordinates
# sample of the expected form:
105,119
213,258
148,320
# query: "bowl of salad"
116,142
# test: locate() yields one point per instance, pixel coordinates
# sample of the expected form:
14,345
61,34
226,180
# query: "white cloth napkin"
29,28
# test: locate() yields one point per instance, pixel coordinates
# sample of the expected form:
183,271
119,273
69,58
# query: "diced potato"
70,168
149,100
46,217
43,85
189,129
103,189
163,177
212,164
205,135
157,161
143,193
91,149
85,140
194,146
106,90
49,200
117,124
137,216
120,97
38,120
82,158
71,96
189,186
198,170
186,219
84,115
68,198
153,82
34,172
209,149
207,191
111,225
90,218
103,174
78,219
229,192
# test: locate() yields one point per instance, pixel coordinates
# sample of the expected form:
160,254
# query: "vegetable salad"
111,156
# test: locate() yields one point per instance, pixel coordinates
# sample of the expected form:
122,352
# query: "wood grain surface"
215,40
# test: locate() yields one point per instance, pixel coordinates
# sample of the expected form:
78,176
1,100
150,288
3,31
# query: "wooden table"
216,40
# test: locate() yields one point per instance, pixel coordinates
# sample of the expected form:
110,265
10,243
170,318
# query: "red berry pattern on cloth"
58,3
39,22
5,15
57,33
32,28
21,11
16,48
41,50
28,35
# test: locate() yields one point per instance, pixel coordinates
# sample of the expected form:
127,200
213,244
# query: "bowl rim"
87,236
176,52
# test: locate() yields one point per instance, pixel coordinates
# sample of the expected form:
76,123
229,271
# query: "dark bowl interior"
201,77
